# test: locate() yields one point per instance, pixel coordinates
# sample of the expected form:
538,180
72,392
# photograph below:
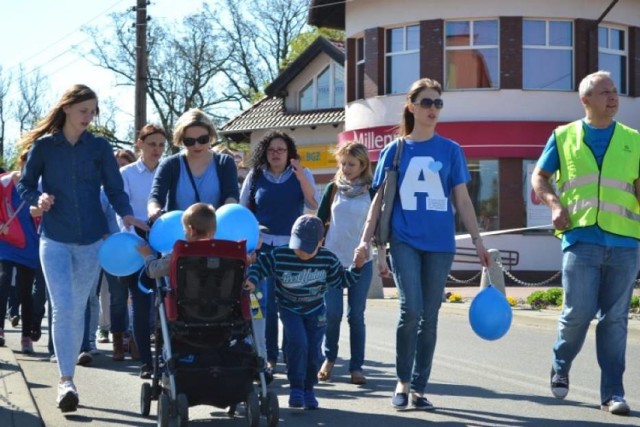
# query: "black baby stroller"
203,344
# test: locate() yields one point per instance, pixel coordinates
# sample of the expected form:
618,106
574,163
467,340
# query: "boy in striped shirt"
304,270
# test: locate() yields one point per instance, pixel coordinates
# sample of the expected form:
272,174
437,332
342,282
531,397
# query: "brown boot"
133,349
118,346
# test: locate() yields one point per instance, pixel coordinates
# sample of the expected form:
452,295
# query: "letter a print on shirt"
422,176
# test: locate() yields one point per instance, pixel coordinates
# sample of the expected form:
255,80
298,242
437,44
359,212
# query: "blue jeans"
357,302
304,337
39,299
142,304
91,315
23,285
271,315
71,272
596,280
420,277
118,307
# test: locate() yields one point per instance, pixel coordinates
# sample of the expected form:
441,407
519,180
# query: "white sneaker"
84,358
67,397
53,358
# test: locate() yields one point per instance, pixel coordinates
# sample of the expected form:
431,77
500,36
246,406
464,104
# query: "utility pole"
141,65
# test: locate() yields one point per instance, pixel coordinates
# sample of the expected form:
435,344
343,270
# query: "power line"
68,35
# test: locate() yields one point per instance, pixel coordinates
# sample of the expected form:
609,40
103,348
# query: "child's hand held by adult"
249,286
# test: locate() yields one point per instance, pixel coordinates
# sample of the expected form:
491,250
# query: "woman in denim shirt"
73,164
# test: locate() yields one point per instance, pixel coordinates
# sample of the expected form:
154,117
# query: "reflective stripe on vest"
605,195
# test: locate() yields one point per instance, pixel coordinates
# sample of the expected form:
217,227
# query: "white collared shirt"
138,180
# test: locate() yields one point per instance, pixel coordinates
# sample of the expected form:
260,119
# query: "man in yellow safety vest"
596,161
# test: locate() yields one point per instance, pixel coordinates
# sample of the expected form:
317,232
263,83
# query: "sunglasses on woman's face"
428,103
202,140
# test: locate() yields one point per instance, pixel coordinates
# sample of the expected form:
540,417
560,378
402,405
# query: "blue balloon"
165,231
118,254
490,314
235,222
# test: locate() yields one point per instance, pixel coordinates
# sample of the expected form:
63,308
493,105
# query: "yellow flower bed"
454,298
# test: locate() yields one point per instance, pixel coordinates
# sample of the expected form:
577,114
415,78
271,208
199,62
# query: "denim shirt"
74,175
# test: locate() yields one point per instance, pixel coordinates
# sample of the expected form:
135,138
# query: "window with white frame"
360,68
472,54
547,54
402,58
326,90
612,55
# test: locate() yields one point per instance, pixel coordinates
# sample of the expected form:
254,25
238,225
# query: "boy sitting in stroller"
199,221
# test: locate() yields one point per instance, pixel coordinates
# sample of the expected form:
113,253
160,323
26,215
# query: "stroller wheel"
145,399
183,410
164,410
253,410
272,409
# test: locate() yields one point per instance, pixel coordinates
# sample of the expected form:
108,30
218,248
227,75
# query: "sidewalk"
17,408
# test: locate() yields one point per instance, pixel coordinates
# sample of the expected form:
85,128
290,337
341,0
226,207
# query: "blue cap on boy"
306,232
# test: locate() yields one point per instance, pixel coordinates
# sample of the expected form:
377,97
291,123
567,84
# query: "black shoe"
145,372
15,320
400,401
36,333
559,385
422,404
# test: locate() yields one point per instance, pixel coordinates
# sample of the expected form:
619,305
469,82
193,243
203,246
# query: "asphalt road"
473,383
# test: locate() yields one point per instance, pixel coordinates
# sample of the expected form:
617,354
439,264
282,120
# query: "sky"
47,35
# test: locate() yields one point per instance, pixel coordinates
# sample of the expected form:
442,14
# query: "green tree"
300,43
186,65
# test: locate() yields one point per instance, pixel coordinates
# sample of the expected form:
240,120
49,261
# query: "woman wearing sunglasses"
195,174
433,178
277,189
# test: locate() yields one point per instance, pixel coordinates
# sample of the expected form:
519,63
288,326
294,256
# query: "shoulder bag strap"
332,197
398,154
193,182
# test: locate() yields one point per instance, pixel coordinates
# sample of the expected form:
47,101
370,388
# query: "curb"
17,407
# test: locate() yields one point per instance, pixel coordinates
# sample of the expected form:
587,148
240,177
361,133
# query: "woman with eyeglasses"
277,189
432,180
195,174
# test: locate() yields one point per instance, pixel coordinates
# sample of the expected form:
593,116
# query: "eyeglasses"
276,150
428,103
202,140
155,145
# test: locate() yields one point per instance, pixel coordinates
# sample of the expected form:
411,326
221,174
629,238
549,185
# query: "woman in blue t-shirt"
432,180
277,189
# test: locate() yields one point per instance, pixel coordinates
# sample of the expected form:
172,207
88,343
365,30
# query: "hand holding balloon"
119,254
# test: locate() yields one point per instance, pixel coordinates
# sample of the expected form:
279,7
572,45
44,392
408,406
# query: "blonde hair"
360,152
201,217
192,117
55,119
